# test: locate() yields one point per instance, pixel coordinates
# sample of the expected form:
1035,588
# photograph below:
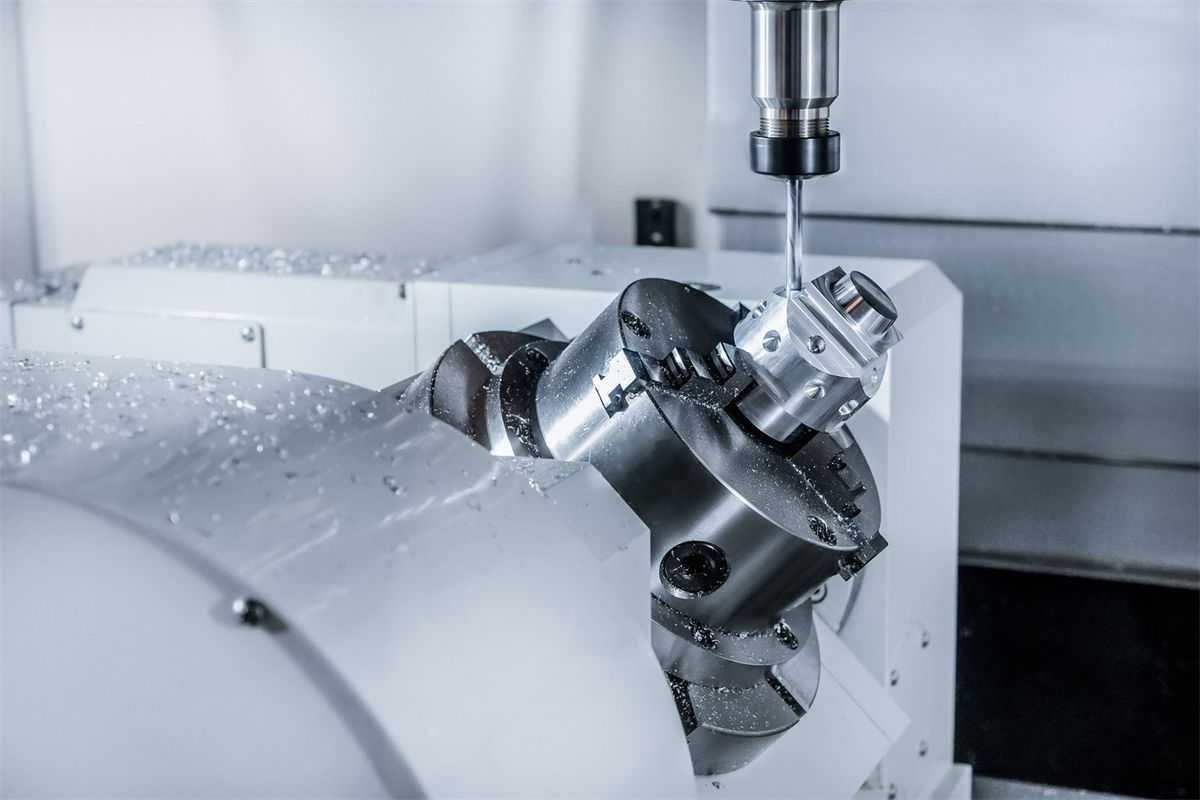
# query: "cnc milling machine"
425,572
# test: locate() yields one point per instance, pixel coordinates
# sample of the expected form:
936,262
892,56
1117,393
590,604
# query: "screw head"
770,341
816,344
77,323
814,390
250,611
893,792
923,748
925,638
894,677
248,334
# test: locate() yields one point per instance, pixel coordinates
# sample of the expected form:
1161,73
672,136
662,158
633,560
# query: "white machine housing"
884,714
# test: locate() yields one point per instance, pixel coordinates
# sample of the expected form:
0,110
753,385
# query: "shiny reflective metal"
794,65
835,333
793,251
744,526
794,81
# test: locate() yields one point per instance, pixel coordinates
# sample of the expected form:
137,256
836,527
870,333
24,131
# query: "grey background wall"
411,127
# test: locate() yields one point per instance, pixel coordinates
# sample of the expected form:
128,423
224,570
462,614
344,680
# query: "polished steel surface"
794,64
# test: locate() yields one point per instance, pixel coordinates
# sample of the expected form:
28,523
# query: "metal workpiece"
818,354
794,82
743,526
483,386
729,724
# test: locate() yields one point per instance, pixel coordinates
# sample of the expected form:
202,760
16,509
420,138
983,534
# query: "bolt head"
816,344
249,611
248,334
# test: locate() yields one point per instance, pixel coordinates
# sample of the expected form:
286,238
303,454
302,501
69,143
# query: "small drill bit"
794,249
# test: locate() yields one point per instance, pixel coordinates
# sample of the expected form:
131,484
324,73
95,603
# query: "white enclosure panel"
355,330
479,307
406,127
588,267
904,618
405,571
200,340
1081,111
249,719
